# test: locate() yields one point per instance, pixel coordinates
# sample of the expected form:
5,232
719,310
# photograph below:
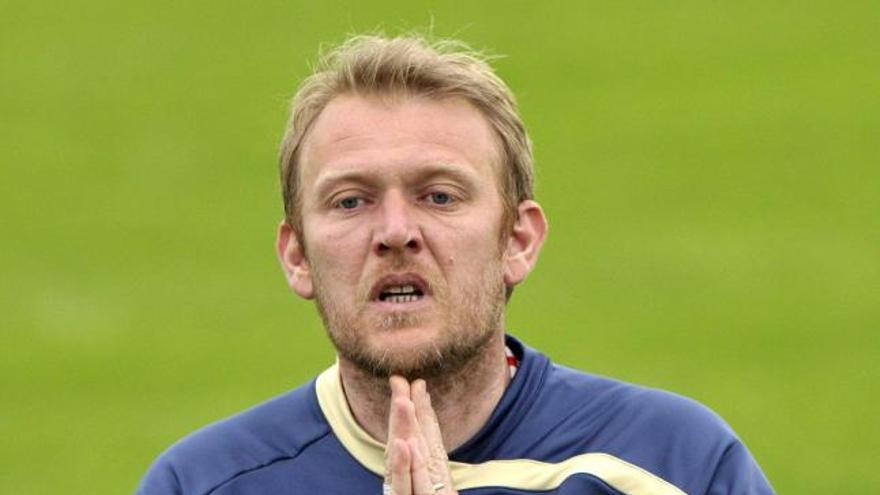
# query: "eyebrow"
369,177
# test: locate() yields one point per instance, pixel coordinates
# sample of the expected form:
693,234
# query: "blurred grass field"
710,170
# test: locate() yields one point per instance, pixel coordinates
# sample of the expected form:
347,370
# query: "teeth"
400,289
397,299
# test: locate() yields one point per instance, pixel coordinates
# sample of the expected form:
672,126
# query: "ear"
524,242
292,256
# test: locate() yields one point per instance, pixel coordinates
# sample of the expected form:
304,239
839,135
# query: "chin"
415,352
410,364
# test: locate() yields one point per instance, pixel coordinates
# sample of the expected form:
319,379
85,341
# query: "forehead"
398,134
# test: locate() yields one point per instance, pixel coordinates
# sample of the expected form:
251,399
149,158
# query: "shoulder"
600,404
670,435
634,410
255,438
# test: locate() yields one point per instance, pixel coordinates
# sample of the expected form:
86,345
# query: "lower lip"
407,306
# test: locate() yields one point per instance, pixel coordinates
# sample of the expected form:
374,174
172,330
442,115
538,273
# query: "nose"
397,229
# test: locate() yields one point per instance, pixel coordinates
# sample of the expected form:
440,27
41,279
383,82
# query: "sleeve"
160,480
739,474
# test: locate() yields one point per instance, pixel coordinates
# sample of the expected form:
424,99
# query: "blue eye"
350,203
440,198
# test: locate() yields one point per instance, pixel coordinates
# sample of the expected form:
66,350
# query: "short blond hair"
409,65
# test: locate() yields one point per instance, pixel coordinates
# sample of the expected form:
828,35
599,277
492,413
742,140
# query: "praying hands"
415,459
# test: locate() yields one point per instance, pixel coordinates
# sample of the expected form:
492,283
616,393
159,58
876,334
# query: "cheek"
468,253
335,250
471,240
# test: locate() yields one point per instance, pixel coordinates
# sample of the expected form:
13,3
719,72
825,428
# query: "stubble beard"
474,315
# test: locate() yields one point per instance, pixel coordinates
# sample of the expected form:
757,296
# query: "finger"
399,425
402,422
401,468
438,461
399,391
427,418
421,480
399,387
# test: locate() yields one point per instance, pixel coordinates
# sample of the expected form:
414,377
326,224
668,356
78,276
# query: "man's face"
401,232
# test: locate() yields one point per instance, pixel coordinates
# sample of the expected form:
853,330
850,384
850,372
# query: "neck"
463,399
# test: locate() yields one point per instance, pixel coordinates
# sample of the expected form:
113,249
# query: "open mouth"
400,289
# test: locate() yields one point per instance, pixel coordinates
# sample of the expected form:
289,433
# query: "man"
407,178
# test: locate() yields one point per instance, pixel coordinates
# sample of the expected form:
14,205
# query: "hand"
415,459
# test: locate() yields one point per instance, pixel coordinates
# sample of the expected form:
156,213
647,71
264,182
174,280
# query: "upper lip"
399,279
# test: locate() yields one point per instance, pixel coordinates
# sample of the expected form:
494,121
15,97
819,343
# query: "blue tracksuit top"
556,431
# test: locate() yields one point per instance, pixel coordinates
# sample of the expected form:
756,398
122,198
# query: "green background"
710,171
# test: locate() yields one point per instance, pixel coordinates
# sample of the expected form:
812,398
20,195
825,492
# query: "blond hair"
409,65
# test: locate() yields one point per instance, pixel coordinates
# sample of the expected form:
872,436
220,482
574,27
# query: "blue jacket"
556,431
